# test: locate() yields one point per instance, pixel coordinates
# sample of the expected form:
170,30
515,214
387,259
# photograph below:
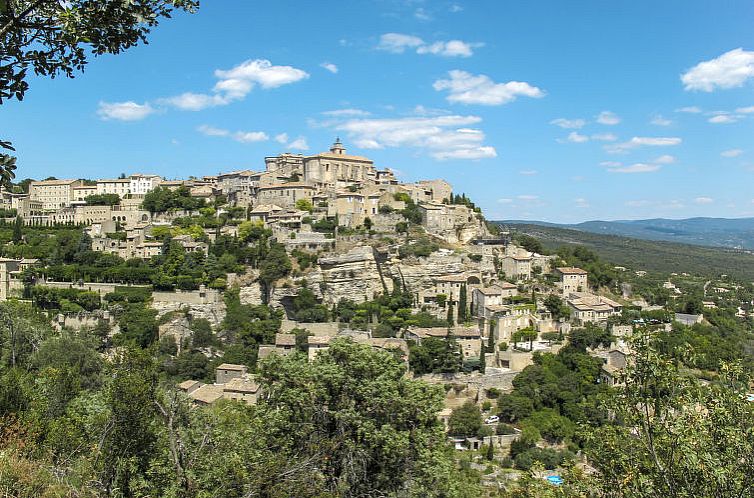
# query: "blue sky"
551,110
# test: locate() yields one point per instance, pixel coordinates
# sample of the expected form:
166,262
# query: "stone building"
118,186
335,168
352,208
141,184
285,195
571,279
54,194
81,193
587,307
483,297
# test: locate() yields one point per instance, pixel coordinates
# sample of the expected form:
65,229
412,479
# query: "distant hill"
658,256
713,232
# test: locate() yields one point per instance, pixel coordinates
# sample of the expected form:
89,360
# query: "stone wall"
202,296
318,329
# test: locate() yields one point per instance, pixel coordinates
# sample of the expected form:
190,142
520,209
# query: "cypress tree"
17,231
462,305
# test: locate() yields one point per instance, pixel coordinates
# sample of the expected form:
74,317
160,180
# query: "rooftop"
571,270
232,366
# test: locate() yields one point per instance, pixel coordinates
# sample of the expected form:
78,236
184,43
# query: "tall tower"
337,148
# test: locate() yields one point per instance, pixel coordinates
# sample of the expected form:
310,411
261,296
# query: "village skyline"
583,118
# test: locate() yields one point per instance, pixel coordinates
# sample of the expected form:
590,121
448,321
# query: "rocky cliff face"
420,274
214,313
359,276
354,275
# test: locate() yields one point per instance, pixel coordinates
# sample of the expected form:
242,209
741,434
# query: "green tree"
451,316
465,420
129,439
18,224
462,305
304,205
375,430
672,435
203,335
273,267
102,199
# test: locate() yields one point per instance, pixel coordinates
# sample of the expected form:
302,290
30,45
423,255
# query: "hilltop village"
220,275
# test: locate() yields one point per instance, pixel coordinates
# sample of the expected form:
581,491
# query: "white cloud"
482,152
732,153
689,109
452,48
568,123
635,168
528,172
506,200
194,101
611,164
330,67
442,137
455,8
421,110
124,111
745,110
235,83
576,137
250,136
664,159
722,117
299,144
729,70
581,203
641,142
338,113
243,77
659,120
238,136
527,197
422,15
608,118
605,137
397,43
704,200
466,88
211,131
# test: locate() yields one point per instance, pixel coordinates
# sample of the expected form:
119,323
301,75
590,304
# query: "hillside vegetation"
649,255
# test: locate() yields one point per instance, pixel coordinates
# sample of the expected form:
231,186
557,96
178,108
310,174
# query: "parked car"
492,419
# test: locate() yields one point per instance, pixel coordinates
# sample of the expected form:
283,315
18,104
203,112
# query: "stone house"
516,263
352,208
614,365
118,186
228,371
232,382
571,279
285,195
468,338
54,194
587,307
482,297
